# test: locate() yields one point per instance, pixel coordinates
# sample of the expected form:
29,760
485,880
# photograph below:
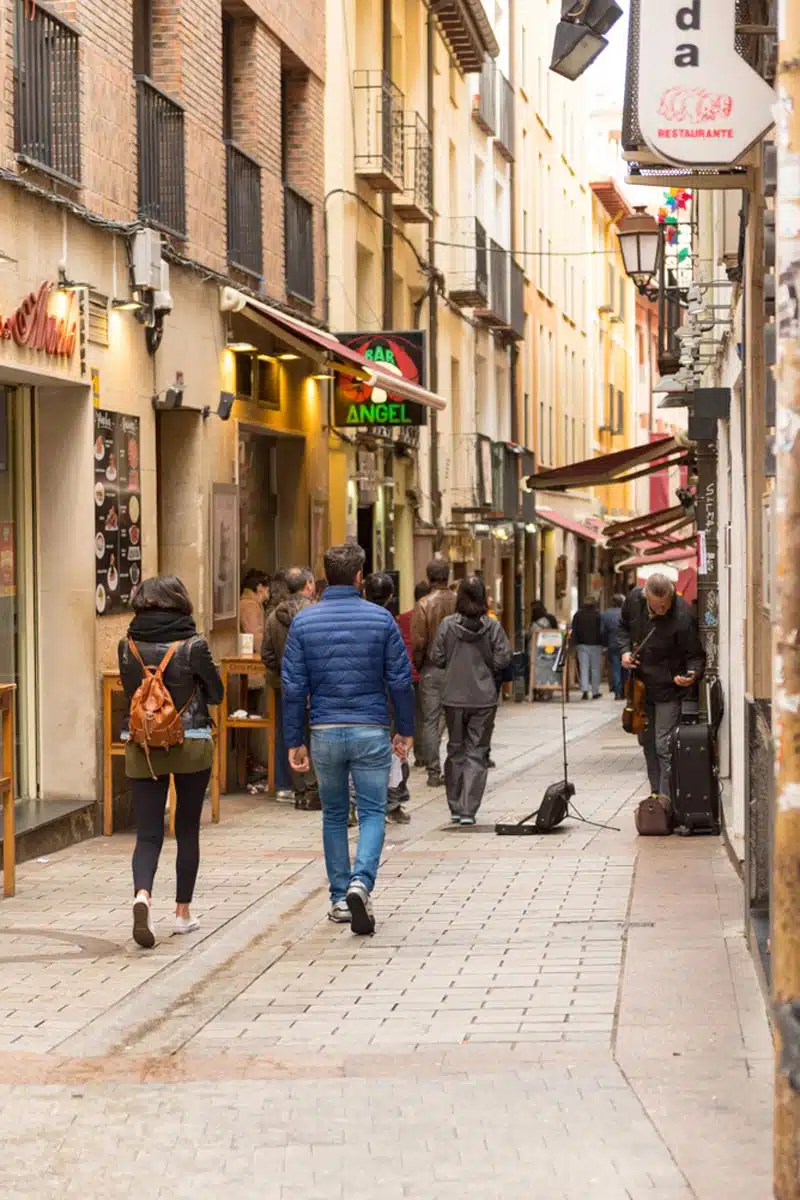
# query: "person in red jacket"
404,622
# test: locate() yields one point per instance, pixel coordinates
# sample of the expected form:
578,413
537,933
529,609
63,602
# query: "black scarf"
161,625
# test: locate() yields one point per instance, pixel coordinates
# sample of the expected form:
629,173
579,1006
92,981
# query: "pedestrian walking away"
429,612
610,619
471,650
348,657
379,589
670,662
404,623
301,589
167,733
587,637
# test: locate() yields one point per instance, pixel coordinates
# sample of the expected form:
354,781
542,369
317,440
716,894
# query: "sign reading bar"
356,404
699,102
33,327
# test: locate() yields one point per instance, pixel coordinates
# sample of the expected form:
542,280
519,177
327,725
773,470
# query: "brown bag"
155,722
654,817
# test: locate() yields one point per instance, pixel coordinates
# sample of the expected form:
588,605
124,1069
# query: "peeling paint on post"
786,642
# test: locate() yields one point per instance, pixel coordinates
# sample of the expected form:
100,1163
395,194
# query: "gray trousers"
466,767
590,667
431,687
656,741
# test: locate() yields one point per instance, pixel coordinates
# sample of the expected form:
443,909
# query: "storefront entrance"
273,501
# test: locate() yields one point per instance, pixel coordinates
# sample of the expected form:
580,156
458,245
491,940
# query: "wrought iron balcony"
468,476
496,310
299,245
380,131
415,204
47,99
244,212
505,117
162,172
467,269
484,101
517,300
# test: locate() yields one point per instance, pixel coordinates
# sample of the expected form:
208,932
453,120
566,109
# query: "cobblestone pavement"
550,1018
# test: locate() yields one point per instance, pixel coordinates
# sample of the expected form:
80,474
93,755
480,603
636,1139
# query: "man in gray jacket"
471,650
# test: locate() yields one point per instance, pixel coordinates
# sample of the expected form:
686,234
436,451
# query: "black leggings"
149,801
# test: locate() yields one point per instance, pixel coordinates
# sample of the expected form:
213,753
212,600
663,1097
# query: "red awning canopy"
686,555
551,517
638,527
323,346
621,466
610,196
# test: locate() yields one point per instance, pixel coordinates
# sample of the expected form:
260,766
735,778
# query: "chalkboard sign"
544,659
118,510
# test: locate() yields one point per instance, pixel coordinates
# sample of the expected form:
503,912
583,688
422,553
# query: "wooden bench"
114,748
8,790
243,666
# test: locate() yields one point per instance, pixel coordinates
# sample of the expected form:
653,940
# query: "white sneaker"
186,924
144,933
360,905
284,796
340,913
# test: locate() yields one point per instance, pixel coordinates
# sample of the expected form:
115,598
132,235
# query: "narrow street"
547,1019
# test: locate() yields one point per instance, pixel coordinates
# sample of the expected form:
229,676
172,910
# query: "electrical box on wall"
146,259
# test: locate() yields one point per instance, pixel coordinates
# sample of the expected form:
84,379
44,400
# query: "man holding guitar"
668,661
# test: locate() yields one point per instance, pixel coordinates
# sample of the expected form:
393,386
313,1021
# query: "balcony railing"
47,101
415,205
463,483
505,117
299,245
162,170
517,300
467,270
244,212
484,102
380,131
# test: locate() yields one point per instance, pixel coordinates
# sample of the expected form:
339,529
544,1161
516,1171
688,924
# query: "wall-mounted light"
640,243
322,375
241,347
270,358
224,407
288,357
132,305
579,35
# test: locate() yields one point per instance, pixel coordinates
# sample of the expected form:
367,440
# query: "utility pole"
785,942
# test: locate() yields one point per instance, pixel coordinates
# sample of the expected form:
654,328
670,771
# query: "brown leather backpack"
654,817
155,722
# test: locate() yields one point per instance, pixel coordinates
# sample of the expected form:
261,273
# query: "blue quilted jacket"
346,654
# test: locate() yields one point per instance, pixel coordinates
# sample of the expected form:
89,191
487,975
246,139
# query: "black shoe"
585,696
399,816
490,763
597,696
358,901
435,779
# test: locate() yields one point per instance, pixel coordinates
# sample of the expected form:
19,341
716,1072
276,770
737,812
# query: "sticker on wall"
117,541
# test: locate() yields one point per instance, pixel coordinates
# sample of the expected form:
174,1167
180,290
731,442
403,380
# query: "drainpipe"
519,687
387,238
433,315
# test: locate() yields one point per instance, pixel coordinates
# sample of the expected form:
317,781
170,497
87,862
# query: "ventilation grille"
98,318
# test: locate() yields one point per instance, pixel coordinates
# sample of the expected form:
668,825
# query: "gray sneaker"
360,905
340,913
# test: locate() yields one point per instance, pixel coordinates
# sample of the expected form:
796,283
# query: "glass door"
17,578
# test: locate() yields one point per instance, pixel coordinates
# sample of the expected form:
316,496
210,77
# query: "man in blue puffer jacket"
346,654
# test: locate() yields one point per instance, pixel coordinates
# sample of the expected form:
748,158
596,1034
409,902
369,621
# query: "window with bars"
47,93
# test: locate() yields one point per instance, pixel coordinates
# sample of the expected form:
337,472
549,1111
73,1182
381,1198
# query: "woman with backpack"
473,651
169,679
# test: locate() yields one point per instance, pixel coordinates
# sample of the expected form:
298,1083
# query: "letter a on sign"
700,104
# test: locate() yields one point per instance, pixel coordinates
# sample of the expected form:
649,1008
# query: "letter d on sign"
689,18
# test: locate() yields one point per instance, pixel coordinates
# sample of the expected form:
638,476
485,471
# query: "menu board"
117,510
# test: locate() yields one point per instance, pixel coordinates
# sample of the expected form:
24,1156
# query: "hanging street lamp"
640,243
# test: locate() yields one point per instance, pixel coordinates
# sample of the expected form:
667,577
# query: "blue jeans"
615,671
365,752
283,775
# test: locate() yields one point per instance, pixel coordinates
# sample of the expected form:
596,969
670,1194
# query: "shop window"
258,380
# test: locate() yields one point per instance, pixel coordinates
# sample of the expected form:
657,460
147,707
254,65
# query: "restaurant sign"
357,404
699,103
32,326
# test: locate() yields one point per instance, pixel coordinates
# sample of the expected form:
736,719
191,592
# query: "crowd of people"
359,686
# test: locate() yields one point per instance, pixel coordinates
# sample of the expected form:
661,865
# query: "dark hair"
423,588
162,591
297,578
343,563
379,589
253,578
538,610
471,597
438,571
320,586
617,600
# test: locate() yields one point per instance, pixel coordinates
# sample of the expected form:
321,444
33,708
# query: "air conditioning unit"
146,261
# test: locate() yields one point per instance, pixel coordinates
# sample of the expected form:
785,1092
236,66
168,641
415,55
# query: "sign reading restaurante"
699,102
32,326
357,404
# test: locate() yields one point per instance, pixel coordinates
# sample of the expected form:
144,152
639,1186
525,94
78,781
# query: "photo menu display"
117,508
